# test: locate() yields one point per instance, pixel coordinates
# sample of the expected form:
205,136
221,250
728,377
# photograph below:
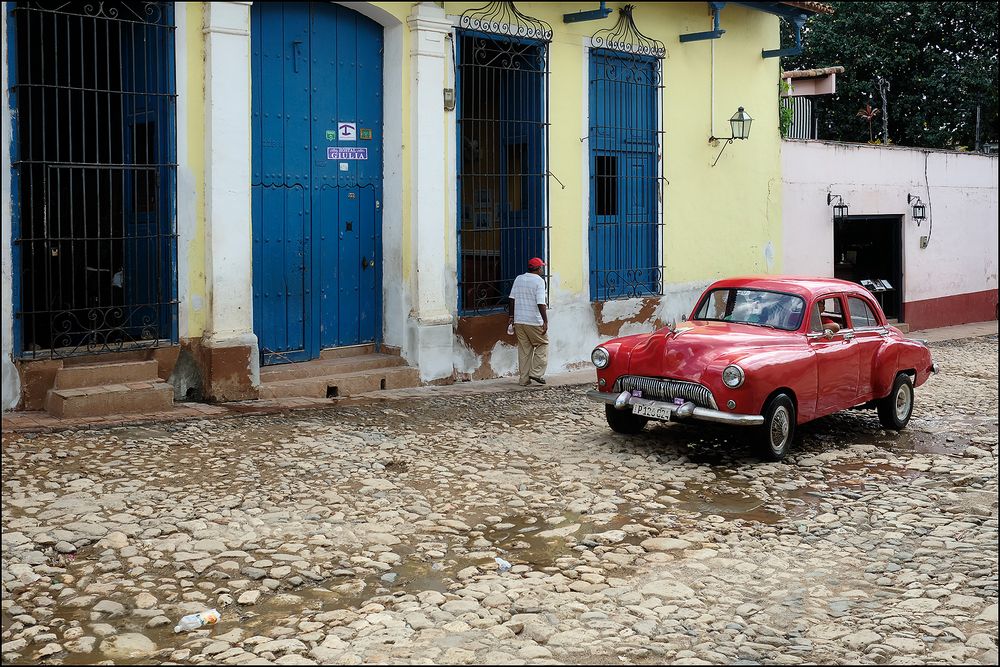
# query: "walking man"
526,306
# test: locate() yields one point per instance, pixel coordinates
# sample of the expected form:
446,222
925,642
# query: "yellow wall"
718,220
195,100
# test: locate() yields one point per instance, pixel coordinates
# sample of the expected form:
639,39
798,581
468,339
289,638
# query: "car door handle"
848,337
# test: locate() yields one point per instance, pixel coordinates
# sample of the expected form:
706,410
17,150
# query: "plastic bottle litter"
502,564
510,329
195,621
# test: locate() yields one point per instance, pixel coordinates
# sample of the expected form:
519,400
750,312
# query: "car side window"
861,313
828,311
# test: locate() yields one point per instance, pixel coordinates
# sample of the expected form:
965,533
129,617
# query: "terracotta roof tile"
817,7
807,73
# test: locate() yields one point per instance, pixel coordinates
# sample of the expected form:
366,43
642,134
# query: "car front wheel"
895,409
779,428
623,421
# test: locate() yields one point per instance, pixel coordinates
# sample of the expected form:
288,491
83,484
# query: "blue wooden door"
623,175
317,178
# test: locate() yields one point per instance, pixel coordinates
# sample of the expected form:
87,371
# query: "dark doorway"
93,176
869,250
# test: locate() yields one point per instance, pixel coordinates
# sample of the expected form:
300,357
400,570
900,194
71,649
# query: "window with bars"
626,225
94,171
502,120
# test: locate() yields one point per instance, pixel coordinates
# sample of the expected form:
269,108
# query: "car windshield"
756,307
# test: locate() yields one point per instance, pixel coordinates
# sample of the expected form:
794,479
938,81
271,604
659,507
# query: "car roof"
805,286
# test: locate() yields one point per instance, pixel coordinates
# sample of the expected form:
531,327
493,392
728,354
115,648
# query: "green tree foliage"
940,60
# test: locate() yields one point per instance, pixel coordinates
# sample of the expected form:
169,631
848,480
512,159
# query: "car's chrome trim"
666,390
688,409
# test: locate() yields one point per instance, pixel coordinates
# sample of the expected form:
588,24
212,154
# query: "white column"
431,330
228,243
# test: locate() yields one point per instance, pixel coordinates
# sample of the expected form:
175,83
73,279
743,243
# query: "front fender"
787,368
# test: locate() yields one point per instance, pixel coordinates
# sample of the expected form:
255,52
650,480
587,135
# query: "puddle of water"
923,442
517,540
703,499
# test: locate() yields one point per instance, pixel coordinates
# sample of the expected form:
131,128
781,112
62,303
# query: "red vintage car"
768,353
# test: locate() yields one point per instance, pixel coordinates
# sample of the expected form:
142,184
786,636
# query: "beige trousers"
532,351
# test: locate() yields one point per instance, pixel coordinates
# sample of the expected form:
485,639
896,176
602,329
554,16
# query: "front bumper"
687,410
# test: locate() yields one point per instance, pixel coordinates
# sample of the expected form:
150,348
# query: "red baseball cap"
535,263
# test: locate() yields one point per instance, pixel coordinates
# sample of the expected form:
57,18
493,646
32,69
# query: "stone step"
902,326
110,399
347,351
327,367
342,384
96,375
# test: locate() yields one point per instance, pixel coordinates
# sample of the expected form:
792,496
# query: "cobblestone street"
370,532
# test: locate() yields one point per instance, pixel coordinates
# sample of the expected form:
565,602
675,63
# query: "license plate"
651,411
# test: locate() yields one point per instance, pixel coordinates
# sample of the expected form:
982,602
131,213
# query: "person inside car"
822,320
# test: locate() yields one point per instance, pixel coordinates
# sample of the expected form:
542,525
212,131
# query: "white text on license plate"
651,411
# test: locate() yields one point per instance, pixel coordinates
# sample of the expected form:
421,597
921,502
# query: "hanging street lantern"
740,122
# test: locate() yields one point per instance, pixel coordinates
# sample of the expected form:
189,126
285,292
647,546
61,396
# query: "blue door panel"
315,65
349,264
328,261
371,243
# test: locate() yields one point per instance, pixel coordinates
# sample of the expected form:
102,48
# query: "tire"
623,421
776,435
894,410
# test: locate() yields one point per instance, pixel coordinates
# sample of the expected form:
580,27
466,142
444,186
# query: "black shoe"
538,380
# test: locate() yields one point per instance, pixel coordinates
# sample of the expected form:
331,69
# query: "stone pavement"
36,421
370,533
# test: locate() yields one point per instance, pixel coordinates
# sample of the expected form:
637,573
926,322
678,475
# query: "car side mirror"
828,334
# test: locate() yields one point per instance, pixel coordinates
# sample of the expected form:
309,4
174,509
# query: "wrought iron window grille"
503,18
502,121
626,166
626,37
94,176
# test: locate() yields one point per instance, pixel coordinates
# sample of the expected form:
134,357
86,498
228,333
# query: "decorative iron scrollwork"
624,36
121,10
503,18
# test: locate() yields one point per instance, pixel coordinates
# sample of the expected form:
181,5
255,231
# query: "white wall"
960,190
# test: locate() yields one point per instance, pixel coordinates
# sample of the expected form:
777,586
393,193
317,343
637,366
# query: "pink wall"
960,190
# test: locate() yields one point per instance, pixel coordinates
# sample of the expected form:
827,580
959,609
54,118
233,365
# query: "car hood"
688,351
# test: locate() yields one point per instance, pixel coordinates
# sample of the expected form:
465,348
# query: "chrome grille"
667,390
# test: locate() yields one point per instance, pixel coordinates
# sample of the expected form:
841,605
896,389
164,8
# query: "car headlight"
600,357
733,376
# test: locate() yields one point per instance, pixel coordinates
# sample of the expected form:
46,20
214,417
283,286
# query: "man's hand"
545,328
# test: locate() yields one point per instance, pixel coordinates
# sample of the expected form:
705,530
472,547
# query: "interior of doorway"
868,250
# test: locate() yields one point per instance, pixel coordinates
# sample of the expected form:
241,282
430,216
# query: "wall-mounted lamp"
839,209
740,124
919,209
